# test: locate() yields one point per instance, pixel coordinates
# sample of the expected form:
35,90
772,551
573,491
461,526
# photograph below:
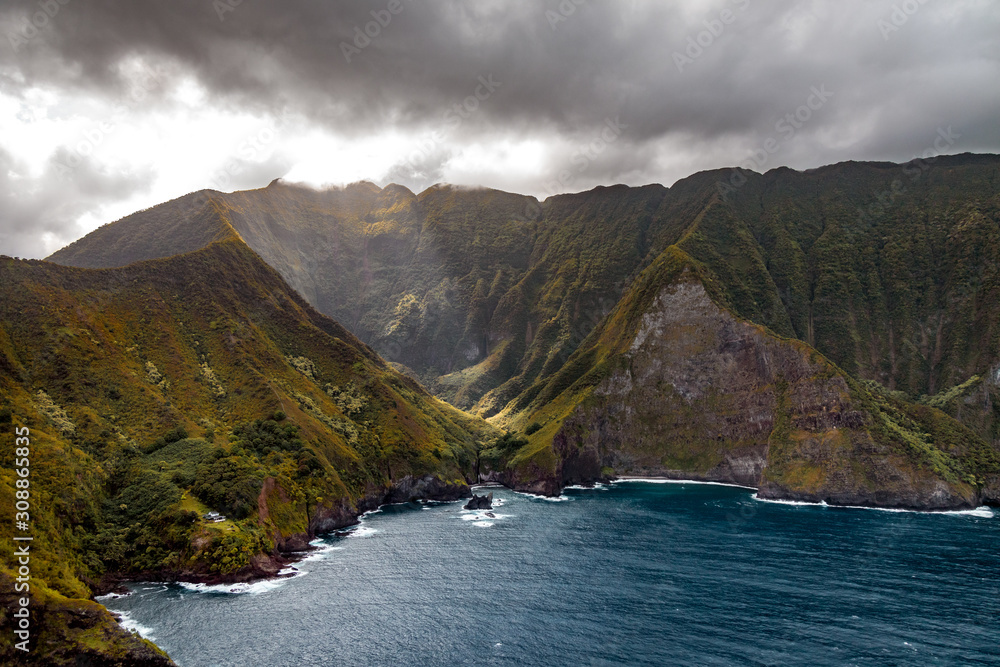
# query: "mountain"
888,270
829,335
672,383
161,391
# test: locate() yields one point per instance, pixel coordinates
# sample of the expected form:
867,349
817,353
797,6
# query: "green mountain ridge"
889,270
159,391
803,333
673,384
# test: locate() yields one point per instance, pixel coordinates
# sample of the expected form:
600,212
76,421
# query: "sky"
111,106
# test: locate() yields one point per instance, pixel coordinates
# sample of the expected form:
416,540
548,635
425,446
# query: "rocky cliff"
889,270
675,385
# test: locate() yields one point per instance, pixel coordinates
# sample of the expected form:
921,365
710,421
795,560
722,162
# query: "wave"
666,480
797,503
483,524
246,588
130,624
322,551
581,487
113,596
472,515
551,499
361,531
982,512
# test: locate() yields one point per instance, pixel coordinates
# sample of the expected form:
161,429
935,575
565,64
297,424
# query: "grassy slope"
899,288
209,341
922,442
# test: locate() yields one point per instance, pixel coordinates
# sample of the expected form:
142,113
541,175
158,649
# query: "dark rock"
480,502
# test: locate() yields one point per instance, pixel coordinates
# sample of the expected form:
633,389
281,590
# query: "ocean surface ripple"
631,573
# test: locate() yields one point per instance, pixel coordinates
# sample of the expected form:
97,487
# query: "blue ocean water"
634,573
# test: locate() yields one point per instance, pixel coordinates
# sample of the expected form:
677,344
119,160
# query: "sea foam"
551,499
244,588
128,623
982,512
665,480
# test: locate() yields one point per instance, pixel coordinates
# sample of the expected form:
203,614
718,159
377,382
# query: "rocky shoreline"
296,547
935,500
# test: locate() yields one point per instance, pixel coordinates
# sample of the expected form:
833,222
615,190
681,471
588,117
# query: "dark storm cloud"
696,85
565,65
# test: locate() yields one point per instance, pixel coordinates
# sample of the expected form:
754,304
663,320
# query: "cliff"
673,384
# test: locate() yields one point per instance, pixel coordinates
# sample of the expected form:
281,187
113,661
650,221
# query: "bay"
633,573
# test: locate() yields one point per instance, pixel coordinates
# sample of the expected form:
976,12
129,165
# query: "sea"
630,573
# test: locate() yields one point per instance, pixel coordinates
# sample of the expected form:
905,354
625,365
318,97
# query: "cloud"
699,84
39,214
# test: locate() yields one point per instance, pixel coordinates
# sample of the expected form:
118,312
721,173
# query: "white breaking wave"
581,487
113,596
556,499
790,502
982,512
665,480
473,515
128,623
252,588
361,531
322,552
483,524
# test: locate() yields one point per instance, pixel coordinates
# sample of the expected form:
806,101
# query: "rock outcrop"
480,502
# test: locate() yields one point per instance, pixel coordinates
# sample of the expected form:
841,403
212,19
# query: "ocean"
632,573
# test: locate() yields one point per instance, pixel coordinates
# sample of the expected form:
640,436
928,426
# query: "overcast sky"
110,106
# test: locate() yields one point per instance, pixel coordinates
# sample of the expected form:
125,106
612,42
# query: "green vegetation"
137,443
484,294
169,388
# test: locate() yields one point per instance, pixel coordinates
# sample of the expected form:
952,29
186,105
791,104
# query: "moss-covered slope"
672,383
890,270
158,392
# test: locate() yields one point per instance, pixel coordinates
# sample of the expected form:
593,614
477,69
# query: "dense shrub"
173,435
230,485
264,436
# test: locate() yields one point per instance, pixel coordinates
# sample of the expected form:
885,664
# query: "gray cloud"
699,84
50,204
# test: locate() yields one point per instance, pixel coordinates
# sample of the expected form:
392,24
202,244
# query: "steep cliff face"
889,270
686,389
500,303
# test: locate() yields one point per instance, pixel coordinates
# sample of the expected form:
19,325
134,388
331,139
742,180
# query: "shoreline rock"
480,502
